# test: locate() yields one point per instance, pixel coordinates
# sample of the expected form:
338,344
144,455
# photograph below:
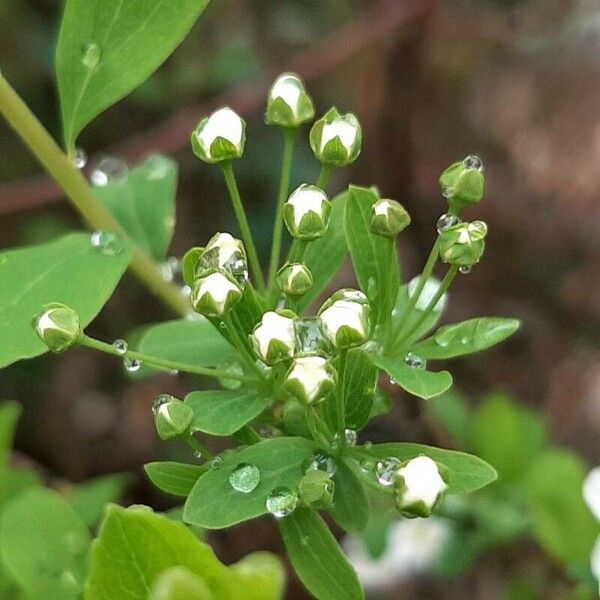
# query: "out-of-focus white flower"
220,137
310,379
419,486
591,494
274,339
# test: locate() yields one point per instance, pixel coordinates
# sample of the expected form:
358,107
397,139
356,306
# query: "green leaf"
262,574
67,270
221,412
43,544
191,342
507,435
144,203
106,49
89,498
174,478
419,382
177,583
10,411
351,504
281,462
562,522
373,256
466,473
317,557
467,337
325,256
15,481
135,546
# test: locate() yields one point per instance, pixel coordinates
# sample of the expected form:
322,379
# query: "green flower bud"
58,327
388,218
310,379
463,244
219,137
294,279
215,294
224,253
273,339
316,488
189,264
336,139
172,417
419,486
288,104
463,183
345,322
306,213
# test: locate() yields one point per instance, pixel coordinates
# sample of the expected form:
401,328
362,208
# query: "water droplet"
282,502
244,478
393,381
447,220
132,365
473,162
372,289
465,270
173,372
415,361
107,243
309,336
171,269
350,437
322,462
120,346
159,167
159,401
216,462
477,230
90,55
448,191
386,470
109,169
80,159
198,454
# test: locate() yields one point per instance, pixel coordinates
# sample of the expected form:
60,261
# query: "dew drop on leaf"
282,502
386,470
107,243
80,159
120,346
244,478
109,169
90,55
322,462
415,361
216,462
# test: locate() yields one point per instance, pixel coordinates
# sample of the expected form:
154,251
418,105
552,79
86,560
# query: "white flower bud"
388,218
419,486
346,323
288,104
310,379
220,137
274,339
215,294
295,279
58,327
172,417
336,139
306,213
225,253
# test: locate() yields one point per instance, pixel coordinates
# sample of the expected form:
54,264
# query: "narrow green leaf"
10,411
317,557
467,473
325,256
192,342
221,412
467,337
174,478
106,49
281,463
419,382
351,504
68,270
43,544
144,203
373,256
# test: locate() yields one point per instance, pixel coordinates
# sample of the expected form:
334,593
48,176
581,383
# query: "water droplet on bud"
159,401
465,270
445,221
473,162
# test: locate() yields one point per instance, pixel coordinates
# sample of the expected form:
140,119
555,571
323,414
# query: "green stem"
161,362
79,192
247,435
324,176
340,400
299,250
284,188
238,343
240,213
199,449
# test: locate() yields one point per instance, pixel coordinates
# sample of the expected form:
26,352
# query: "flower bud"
347,294
336,139
346,322
189,264
418,487
58,327
316,488
273,339
294,279
310,379
219,137
388,218
463,244
306,213
215,294
288,104
224,253
463,183
172,417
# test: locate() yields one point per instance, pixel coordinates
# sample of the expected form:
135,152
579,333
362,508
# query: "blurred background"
516,82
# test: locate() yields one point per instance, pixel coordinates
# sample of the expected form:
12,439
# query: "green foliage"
10,412
351,503
174,478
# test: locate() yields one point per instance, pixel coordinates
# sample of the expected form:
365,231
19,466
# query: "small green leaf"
281,463
467,337
467,473
317,558
177,583
191,342
325,256
69,271
108,48
144,203
351,504
15,481
221,412
419,382
262,574
174,478
10,411
43,544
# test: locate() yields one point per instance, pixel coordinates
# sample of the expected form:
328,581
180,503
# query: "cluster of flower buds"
388,218
172,417
336,139
58,327
288,104
306,213
220,137
463,244
463,183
